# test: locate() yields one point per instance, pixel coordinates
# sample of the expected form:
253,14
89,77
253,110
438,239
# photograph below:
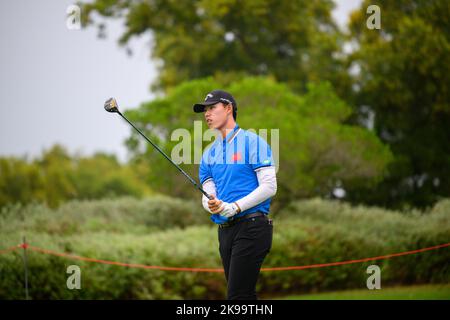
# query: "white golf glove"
229,209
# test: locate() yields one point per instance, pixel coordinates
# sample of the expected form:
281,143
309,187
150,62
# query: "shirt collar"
231,134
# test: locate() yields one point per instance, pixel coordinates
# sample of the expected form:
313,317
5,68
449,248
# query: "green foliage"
56,177
404,80
120,215
19,181
399,74
317,150
293,40
151,232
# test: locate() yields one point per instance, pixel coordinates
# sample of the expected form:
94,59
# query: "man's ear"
231,108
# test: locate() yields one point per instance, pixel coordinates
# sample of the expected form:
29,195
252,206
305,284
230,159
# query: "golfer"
237,169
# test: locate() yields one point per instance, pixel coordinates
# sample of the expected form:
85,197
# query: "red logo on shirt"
236,157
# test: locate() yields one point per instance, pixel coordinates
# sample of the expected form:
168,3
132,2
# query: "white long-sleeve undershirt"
267,188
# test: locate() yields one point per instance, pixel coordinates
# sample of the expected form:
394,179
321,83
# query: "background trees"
317,150
285,62
293,41
404,82
57,176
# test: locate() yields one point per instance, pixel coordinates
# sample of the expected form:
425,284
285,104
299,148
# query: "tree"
295,41
404,81
101,175
56,168
20,181
56,177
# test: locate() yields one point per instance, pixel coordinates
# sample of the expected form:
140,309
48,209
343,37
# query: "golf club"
111,106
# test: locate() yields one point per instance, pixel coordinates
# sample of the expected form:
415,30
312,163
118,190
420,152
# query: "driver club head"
111,105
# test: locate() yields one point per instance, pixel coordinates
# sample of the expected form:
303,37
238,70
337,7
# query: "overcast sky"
53,81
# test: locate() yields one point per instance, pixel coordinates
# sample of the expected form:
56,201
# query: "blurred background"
359,94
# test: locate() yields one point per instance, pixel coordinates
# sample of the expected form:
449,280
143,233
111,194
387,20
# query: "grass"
419,292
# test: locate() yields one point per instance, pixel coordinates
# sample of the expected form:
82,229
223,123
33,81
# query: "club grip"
210,197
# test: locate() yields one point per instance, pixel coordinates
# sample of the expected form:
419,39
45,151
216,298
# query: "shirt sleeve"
210,188
204,171
267,188
260,153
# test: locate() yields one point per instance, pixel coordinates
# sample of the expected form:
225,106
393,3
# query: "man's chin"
214,126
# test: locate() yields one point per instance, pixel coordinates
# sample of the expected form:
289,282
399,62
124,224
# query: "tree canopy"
397,75
56,176
404,81
295,41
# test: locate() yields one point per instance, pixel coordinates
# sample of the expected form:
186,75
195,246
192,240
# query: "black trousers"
243,247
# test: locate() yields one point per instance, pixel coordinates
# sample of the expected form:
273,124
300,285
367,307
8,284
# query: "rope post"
25,266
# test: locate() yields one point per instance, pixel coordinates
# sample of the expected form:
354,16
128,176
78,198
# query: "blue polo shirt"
231,162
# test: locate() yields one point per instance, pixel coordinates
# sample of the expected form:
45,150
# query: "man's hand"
215,205
229,209
225,209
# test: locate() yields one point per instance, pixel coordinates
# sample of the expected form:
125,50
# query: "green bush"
153,232
120,215
56,177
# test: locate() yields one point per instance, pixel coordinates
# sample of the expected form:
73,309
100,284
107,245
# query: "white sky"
53,81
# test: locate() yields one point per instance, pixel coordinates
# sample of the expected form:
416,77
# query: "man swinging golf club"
237,171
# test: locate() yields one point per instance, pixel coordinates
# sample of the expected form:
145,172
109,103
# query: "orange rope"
358,260
131,265
142,266
13,248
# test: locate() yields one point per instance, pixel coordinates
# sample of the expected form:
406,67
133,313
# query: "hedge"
151,232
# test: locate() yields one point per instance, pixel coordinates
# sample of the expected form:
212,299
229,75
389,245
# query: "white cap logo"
209,95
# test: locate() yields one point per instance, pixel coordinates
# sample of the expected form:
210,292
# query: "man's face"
216,115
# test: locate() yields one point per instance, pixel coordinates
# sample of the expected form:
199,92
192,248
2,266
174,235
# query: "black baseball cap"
214,97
